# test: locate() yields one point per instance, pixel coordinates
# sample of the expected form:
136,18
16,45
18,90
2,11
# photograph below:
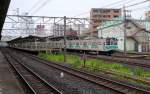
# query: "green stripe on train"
111,46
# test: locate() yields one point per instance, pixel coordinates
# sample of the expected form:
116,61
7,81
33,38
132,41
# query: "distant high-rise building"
40,31
58,30
98,15
80,28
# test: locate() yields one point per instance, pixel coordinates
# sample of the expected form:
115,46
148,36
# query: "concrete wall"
130,44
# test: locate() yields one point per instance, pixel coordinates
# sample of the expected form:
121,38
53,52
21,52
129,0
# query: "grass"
94,64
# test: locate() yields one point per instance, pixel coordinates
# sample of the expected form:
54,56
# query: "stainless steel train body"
90,45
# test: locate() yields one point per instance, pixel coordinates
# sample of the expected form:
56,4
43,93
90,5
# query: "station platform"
8,81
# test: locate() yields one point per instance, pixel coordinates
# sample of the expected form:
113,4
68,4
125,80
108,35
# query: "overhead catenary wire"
35,5
123,3
105,6
115,3
139,9
129,7
135,4
41,6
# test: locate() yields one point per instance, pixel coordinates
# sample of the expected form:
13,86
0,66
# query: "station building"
137,34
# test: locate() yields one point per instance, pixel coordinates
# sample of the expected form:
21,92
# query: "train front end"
111,44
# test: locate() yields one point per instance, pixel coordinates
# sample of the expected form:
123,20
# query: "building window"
108,16
115,16
116,11
106,11
104,16
100,16
94,16
95,10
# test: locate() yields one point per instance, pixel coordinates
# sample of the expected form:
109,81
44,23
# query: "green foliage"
95,64
141,72
52,57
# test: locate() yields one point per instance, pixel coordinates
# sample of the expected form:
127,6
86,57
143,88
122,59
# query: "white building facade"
137,37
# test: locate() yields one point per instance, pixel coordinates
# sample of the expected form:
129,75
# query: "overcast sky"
71,8
79,8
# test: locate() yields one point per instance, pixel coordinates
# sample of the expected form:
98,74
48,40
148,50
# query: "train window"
116,42
80,43
85,43
99,43
70,44
93,43
111,41
108,41
77,43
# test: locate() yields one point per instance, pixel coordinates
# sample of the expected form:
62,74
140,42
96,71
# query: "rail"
36,83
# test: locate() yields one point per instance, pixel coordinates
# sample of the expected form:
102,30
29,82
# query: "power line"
41,6
114,3
137,3
138,9
35,5
123,3
81,14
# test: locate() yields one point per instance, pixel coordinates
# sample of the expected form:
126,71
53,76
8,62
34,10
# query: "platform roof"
28,39
4,4
40,39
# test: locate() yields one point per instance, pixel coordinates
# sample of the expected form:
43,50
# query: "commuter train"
91,45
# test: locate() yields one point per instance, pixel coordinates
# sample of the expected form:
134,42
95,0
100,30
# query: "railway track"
129,61
36,83
122,60
121,88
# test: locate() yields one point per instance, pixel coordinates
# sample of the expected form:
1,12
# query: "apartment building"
58,30
98,15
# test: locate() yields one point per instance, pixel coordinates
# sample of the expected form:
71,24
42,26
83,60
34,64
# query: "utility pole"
125,35
65,39
127,17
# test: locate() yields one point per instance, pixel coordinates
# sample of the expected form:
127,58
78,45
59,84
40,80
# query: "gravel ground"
68,84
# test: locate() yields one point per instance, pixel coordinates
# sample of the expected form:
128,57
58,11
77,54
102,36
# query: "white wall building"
138,36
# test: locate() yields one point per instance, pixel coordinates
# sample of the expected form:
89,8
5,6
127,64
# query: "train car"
88,45
105,45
